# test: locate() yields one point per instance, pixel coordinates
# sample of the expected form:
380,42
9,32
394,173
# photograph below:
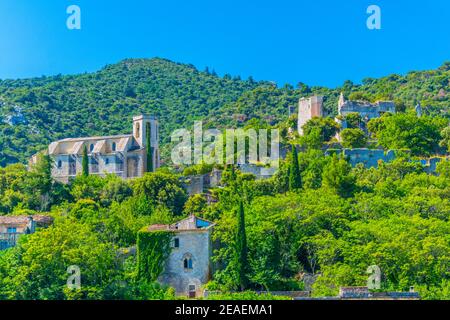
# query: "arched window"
187,261
114,147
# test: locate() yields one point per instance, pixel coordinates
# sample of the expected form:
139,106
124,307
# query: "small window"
138,130
114,147
176,243
11,230
91,147
107,161
188,263
59,164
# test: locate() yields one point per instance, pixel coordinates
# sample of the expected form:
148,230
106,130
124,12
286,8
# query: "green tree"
407,131
241,249
149,149
327,128
338,177
353,138
445,142
295,179
161,189
41,180
353,120
85,162
37,267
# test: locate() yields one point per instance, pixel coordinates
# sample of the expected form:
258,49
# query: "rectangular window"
176,243
11,230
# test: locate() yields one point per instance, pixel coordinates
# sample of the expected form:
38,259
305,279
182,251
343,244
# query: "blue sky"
320,42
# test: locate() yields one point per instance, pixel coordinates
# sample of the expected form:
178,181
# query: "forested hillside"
318,216
34,112
37,111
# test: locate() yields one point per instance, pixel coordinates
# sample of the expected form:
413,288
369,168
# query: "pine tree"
43,181
295,179
85,162
241,249
149,149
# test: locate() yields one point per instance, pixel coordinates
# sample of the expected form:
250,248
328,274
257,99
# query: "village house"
122,155
188,266
12,227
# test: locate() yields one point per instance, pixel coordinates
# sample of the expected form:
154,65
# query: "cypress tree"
295,179
241,249
149,149
85,162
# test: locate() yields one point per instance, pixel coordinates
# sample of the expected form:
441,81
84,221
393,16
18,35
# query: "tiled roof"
156,227
40,220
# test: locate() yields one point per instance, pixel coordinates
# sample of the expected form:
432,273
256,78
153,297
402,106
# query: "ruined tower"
309,108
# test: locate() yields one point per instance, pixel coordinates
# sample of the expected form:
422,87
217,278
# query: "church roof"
96,138
75,145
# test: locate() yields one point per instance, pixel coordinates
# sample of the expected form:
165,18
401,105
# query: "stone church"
122,155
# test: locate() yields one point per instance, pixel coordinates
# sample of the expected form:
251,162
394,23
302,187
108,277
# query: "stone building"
12,227
309,108
123,155
366,110
188,266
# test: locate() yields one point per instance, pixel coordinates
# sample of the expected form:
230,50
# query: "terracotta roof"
156,227
40,220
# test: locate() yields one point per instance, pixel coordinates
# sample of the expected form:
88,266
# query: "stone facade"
258,171
370,158
309,108
188,266
199,184
123,155
366,110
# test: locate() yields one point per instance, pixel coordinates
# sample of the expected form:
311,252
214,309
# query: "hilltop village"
118,185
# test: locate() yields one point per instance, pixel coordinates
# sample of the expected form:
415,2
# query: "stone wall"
258,171
367,110
368,157
197,246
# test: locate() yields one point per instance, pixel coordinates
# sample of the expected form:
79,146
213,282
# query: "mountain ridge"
36,111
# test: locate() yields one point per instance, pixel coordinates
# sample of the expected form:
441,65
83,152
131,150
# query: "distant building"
123,155
309,108
188,266
365,109
419,110
200,184
12,227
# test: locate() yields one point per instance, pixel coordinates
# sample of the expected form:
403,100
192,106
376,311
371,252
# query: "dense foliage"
153,248
317,217
35,112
